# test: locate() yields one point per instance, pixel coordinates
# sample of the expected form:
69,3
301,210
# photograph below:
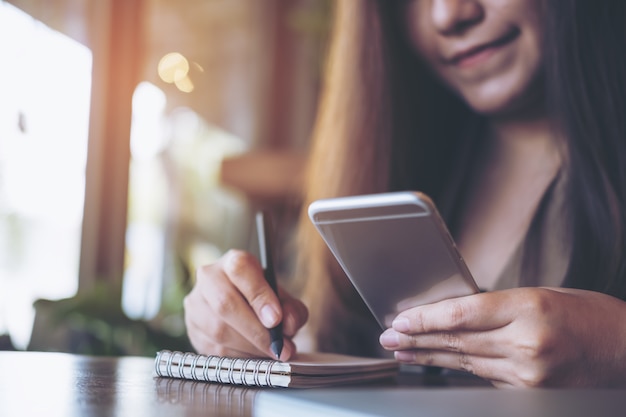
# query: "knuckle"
211,335
538,347
429,358
204,272
411,340
418,322
532,377
538,301
219,332
458,314
451,341
258,299
223,303
237,262
465,363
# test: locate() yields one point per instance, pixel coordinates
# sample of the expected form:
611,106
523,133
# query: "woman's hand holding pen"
232,306
519,337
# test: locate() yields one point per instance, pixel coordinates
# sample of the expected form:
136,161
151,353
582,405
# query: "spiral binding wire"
175,363
245,366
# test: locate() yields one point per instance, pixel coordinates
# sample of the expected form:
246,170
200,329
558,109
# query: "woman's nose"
455,16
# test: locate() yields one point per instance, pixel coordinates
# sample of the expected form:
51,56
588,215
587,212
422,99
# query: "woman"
510,115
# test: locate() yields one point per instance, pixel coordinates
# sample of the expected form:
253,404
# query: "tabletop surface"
59,384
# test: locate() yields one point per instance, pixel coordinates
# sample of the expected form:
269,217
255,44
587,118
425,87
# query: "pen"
264,228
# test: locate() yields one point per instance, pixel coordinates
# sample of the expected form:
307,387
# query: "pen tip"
277,348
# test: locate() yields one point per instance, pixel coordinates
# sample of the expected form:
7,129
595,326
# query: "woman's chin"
504,101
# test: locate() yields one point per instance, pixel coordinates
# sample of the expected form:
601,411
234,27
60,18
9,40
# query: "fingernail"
404,356
401,324
269,317
390,339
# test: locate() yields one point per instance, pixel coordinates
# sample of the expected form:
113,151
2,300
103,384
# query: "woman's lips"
477,54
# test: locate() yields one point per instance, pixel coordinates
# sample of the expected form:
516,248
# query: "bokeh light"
173,67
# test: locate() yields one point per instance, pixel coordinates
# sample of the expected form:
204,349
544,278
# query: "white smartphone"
395,248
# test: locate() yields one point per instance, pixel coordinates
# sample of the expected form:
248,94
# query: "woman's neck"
517,166
524,144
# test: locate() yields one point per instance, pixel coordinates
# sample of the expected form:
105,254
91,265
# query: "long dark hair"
586,87
386,123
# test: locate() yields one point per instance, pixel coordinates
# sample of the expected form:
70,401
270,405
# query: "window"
105,233
45,80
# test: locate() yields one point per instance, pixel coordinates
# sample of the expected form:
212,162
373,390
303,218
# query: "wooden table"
58,384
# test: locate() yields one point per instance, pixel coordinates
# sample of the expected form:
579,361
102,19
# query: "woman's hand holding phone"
519,337
231,308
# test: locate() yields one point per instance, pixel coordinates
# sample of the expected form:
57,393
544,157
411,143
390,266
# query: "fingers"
492,344
514,337
492,369
475,312
465,333
209,340
295,313
212,345
502,372
228,305
245,272
451,332
231,308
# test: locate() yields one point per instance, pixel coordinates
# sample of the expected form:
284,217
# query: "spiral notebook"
307,370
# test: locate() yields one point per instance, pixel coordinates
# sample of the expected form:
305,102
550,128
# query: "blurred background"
137,138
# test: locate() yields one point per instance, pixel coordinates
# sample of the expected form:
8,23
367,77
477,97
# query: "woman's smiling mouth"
476,54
